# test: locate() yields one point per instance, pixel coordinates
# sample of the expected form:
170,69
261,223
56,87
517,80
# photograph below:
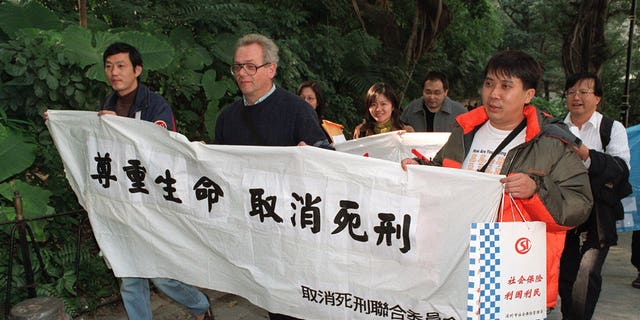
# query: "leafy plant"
556,106
59,279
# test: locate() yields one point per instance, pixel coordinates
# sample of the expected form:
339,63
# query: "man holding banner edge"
122,66
545,177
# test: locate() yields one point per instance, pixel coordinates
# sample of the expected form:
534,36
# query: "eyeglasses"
435,92
581,93
249,68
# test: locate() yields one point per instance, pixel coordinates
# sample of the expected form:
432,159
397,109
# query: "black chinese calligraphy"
309,212
345,218
363,306
264,208
169,181
386,230
206,188
103,167
136,173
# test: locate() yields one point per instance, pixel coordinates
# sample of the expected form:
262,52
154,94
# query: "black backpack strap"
605,131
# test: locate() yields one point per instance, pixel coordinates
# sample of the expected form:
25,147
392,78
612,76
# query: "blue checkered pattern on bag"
490,277
487,273
473,295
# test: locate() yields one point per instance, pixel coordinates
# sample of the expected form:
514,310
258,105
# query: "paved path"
618,300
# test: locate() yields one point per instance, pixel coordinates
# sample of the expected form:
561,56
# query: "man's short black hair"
598,90
121,47
516,64
437,75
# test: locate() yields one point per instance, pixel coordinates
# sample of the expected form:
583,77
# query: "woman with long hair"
381,112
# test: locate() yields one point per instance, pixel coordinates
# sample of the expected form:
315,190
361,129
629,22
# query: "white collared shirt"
273,88
590,135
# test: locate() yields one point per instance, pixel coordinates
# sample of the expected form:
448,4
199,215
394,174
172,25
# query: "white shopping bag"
507,271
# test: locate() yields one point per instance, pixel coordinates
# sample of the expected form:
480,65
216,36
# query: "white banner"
396,145
303,231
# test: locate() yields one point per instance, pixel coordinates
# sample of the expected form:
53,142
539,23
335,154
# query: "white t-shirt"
484,143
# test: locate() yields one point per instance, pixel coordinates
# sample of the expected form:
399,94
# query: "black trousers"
276,316
580,276
635,250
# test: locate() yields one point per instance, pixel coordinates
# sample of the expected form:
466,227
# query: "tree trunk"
584,48
429,20
82,9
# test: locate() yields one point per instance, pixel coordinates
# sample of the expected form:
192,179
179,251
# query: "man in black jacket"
586,247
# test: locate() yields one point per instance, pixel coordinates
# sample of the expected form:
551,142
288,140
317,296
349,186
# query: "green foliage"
38,76
214,91
31,15
78,45
557,107
34,199
58,278
538,27
16,152
34,204
463,50
613,70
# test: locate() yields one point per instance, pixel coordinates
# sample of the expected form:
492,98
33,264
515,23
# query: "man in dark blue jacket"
122,66
266,115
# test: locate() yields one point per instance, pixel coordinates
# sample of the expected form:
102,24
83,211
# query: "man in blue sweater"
266,115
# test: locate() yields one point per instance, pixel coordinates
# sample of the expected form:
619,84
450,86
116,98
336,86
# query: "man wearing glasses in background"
586,246
434,111
266,115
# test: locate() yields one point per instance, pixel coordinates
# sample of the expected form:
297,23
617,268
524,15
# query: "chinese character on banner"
386,230
309,213
346,218
206,188
103,167
265,208
168,181
136,173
